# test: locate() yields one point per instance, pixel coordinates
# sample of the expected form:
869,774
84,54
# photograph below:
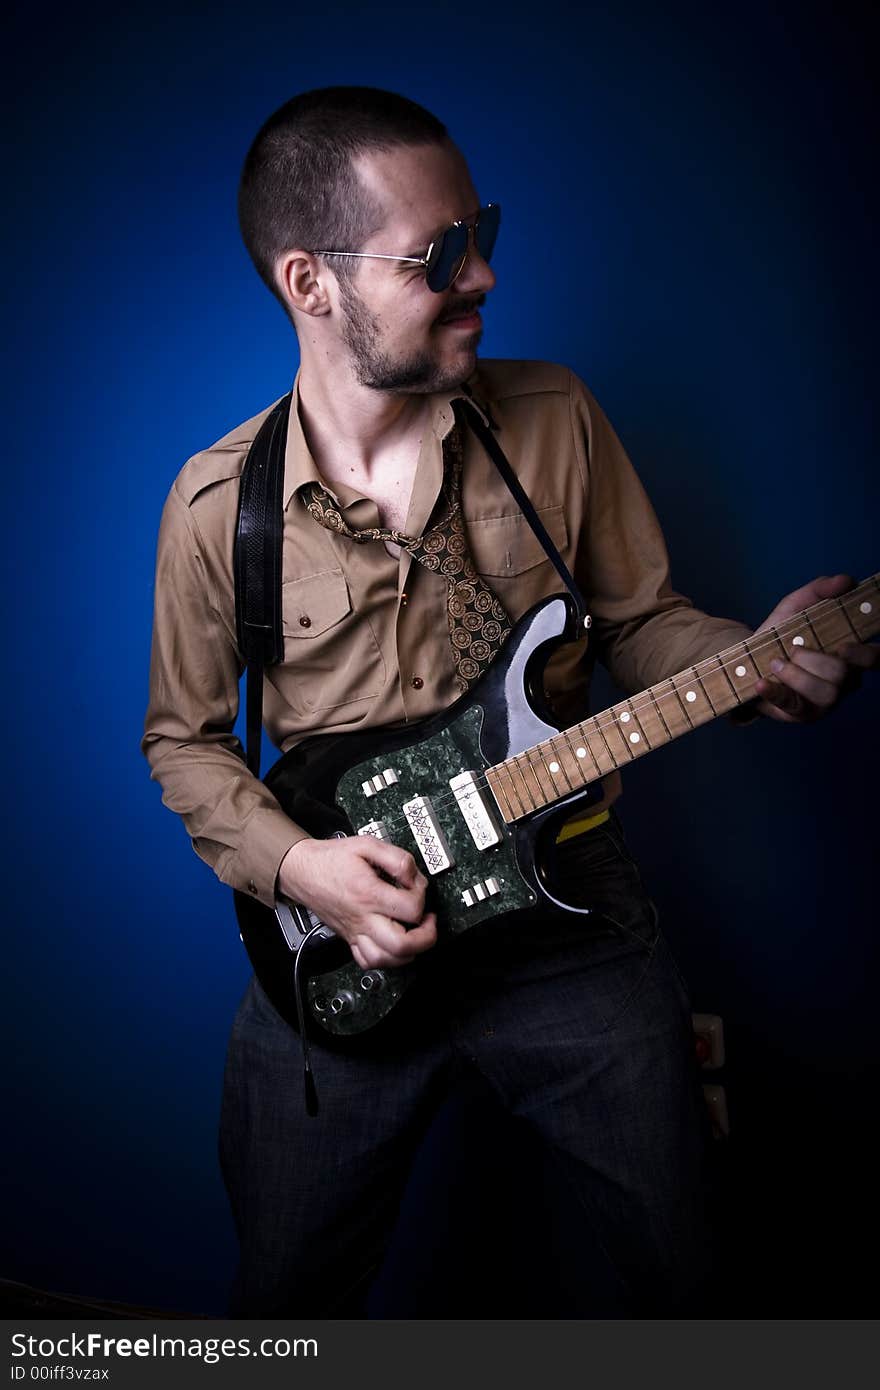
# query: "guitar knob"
342,1003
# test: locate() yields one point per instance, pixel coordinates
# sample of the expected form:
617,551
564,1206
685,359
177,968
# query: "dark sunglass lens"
487,230
446,258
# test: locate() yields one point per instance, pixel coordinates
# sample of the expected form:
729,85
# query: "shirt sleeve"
644,630
236,824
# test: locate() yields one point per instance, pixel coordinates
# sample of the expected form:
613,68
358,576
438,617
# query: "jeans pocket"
596,870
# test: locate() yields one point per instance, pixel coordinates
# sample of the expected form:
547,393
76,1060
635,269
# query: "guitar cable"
308,1078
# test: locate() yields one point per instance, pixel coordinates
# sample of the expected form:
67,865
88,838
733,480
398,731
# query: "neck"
343,420
568,761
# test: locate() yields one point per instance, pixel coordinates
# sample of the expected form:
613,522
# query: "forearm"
236,825
651,648
643,629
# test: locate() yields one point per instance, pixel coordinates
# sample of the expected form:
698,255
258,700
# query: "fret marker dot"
554,767
865,607
625,717
691,695
633,738
740,670
580,752
797,641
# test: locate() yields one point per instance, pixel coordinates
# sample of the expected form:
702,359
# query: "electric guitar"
469,790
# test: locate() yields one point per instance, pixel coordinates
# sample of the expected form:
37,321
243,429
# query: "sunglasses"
446,256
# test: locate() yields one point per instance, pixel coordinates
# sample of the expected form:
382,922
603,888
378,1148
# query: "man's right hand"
341,881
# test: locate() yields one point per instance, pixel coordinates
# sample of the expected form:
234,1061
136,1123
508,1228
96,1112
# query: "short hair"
298,184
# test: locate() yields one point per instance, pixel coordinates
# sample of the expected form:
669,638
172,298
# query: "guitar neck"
568,761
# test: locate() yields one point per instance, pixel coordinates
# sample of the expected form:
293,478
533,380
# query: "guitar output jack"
342,1002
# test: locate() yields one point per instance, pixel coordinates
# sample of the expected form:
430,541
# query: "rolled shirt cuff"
267,837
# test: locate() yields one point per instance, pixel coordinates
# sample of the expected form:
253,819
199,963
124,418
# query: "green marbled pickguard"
369,1007
424,769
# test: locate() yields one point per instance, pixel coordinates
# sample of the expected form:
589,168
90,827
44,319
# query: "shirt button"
404,600
417,682
252,888
305,622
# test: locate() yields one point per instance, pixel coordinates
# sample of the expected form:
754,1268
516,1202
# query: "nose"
476,275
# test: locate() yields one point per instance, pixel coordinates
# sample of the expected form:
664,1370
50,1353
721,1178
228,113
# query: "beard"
416,372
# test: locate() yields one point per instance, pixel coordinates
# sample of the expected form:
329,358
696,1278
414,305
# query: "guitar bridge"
427,834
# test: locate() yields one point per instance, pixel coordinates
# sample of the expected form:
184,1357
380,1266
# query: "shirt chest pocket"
509,555
331,657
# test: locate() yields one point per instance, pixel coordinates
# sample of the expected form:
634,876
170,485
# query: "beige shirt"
365,635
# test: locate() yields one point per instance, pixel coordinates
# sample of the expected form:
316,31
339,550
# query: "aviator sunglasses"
446,256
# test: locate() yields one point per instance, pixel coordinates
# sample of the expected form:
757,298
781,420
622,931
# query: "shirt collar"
300,467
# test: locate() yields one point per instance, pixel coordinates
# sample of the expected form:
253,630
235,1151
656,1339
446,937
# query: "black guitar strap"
500,460
257,557
257,566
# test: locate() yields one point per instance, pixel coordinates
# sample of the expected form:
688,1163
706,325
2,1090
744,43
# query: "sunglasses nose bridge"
473,257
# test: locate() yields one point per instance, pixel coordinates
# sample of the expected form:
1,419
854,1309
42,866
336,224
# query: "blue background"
690,221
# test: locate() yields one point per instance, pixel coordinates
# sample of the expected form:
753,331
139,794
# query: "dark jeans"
581,1027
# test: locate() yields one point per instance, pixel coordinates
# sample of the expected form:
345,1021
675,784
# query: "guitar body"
426,787
395,783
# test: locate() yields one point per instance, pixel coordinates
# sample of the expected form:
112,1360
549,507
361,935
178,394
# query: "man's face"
400,335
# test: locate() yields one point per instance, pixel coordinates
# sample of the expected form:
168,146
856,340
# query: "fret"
832,627
762,649
495,778
660,715
556,765
597,727
796,634
515,792
733,692
707,675
571,767
578,763
525,795
527,764
574,757
842,607
861,607
632,724
814,643
615,741
742,671
695,702
587,738
674,710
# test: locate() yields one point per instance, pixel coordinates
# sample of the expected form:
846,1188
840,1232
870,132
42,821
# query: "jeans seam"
613,1023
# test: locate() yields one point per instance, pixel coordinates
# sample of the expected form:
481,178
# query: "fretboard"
570,760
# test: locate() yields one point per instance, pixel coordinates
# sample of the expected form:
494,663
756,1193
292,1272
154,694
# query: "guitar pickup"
479,892
475,810
427,834
379,782
376,828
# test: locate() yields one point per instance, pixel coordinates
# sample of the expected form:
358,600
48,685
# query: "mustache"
456,308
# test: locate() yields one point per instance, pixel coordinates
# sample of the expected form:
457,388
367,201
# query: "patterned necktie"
478,623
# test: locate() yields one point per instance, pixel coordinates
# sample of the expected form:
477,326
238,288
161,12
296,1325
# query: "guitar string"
606,720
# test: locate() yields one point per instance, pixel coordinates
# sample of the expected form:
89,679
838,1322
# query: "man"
361,217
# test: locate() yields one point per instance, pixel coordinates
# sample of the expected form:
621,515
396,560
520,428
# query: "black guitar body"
362,783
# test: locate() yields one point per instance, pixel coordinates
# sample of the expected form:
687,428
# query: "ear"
302,280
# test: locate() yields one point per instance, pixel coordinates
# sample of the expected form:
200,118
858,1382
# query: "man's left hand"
810,683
